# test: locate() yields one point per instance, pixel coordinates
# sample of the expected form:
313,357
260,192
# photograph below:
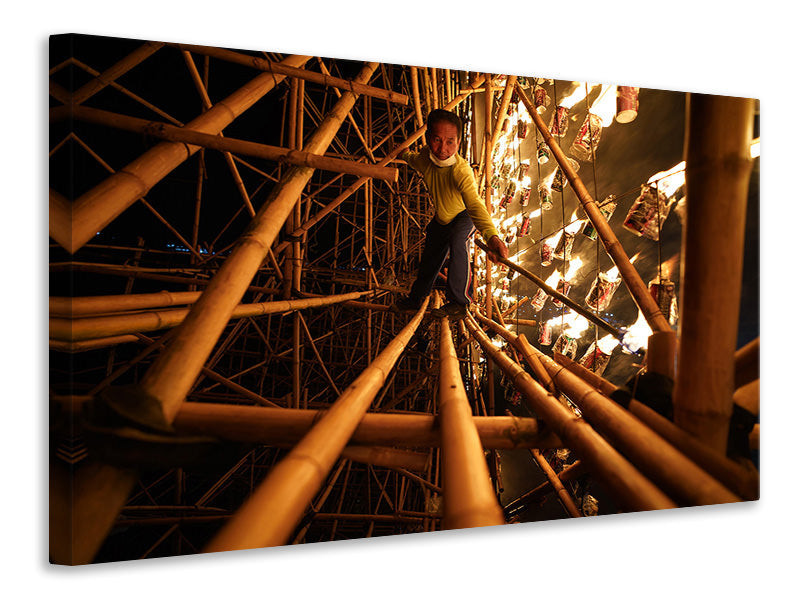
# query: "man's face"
443,139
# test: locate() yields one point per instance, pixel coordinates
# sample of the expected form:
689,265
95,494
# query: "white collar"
442,163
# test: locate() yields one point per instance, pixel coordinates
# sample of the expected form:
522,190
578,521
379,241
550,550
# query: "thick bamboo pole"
92,305
615,251
567,474
564,497
415,95
86,328
719,131
165,131
272,512
737,477
679,476
391,458
620,477
103,203
746,363
469,500
170,377
282,68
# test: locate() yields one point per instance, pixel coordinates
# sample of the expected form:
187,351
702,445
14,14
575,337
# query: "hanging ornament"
585,144
627,103
607,209
560,122
663,292
558,178
648,213
566,345
540,99
545,196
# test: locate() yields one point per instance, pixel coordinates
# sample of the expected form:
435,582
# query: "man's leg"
459,274
434,254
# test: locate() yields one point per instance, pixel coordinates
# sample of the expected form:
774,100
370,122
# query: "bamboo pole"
679,476
719,130
93,305
92,211
391,458
737,477
564,497
620,477
415,95
554,294
615,251
165,131
285,426
115,71
469,500
272,512
87,328
746,363
171,375
566,475
355,86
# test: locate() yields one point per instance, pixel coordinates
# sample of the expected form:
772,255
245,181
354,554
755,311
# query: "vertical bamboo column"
613,248
469,499
102,204
172,374
719,130
273,511
415,95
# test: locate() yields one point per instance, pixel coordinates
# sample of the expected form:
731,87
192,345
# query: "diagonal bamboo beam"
620,477
272,512
102,204
613,247
171,133
115,71
564,497
469,500
353,86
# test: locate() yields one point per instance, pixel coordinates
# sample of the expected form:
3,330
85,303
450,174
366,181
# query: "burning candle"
663,292
585,143
604,286
546,251
539,298
648,213
558,178
523,228
545,196
545,333
562,288
607,209
627,103
524,196
596,359
559,124
540,99
542,152
566,345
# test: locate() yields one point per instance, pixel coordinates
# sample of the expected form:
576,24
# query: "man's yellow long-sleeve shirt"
452,190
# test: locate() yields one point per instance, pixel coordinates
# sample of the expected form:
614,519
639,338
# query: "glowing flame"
526,181
755,148
552,281
574,225
574,324
605,107
669,181
613,273
523,112
574,265
635,337
577,95
536,213
607,344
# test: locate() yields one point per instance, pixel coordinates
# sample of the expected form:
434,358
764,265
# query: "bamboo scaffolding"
569,473
740,478
616,252
469,500
87,328
93,210
391,458
354,86
171,133
272,512
746,363
564,497
94,305
620,477
719,131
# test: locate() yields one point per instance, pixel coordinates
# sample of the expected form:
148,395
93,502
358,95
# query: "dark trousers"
441,240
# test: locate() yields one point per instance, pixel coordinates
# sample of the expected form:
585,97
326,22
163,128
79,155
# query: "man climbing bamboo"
458,212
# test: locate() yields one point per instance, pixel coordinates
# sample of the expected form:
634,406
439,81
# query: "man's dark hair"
438,115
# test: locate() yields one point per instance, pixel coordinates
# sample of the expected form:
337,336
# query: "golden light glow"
607,344
635,337
669,181
577,95
574,265
605,106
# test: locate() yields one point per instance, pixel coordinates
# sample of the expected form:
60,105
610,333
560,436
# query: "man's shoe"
451,310
405,304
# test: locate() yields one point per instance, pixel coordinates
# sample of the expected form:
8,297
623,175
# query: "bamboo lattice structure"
229,231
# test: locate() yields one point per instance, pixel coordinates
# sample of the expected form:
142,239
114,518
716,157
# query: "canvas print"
297,299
